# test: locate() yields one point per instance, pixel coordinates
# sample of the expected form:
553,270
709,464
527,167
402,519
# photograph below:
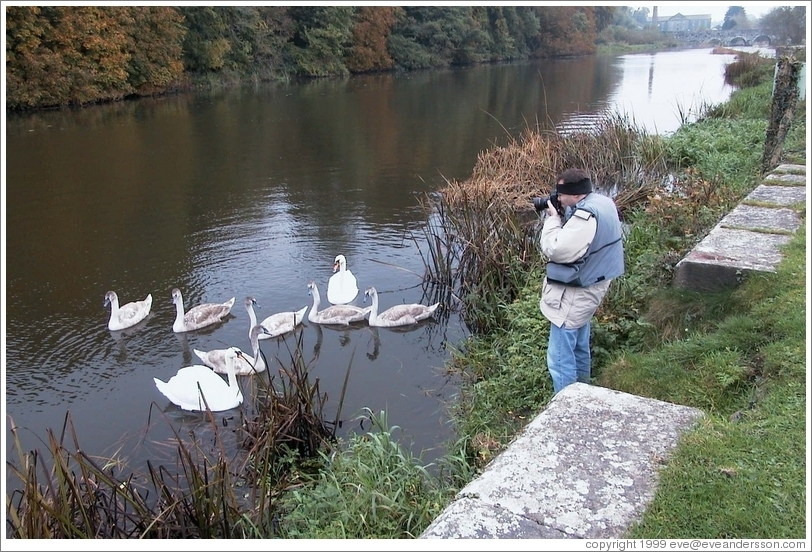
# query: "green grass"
372,489
742,473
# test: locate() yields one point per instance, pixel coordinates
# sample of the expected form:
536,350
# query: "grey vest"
603,259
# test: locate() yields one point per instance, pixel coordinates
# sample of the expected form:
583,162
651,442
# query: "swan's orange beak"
335,266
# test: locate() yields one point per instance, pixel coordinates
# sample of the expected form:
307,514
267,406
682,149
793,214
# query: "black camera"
540,203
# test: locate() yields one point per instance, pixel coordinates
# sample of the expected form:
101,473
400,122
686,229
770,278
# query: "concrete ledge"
725,256
785,179
790,168
762,219
748,239
586,467
778,195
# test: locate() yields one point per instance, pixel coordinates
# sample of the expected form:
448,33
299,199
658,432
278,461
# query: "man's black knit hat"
574,182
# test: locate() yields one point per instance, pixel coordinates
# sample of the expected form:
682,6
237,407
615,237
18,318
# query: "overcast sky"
717,10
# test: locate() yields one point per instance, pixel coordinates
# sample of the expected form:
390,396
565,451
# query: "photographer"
584,252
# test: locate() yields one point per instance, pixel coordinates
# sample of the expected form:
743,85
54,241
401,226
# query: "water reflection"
122,337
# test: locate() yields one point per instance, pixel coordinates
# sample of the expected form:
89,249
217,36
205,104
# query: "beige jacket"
568,305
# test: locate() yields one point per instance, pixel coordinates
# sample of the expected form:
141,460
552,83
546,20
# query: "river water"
254,191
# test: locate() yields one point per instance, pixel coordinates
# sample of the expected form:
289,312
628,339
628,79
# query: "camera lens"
540,203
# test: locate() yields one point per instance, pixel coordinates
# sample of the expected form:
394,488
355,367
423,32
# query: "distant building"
679,22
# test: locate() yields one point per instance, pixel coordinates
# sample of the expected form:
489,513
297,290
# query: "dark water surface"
253,192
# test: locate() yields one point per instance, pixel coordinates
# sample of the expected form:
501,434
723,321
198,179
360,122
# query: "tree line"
78,55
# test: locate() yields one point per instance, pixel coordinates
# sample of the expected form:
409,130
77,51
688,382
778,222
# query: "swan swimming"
196,387
200,316
342,286
276,324
335,314
126,315
399,315
216,358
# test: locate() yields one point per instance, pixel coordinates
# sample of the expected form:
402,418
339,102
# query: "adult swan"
197,387
342,286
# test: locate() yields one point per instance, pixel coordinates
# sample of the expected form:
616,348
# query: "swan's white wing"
403,315
282,322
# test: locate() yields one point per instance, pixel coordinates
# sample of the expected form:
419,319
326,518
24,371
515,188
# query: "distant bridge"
730,37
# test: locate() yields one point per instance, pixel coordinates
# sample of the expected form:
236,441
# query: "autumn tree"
373,25
155,43
429,36
565,30
205,45
510,30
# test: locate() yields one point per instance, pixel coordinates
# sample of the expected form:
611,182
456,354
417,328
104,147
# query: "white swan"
126,315
399,315
200,316
216,358
196,387
276,324
335,314
342,286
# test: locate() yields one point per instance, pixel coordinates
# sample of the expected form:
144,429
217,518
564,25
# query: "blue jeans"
568,356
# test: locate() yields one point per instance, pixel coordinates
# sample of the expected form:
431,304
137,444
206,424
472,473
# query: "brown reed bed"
481,238
65,493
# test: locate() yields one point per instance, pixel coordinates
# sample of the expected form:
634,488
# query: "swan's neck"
255,349
179,311
373,313
316,300
232,376
252,315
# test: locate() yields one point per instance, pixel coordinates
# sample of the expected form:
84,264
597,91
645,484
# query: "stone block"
725,256
765,219
778,195
586,467
785,179
790,168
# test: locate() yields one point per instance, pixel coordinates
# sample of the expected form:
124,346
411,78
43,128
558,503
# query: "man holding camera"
584,247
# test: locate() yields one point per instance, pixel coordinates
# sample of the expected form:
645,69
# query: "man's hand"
551,212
